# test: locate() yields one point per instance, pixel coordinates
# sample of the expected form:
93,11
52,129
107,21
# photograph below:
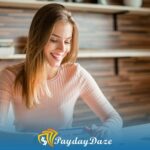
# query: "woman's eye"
67,42
53,40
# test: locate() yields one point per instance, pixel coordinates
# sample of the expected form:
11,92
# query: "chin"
55,65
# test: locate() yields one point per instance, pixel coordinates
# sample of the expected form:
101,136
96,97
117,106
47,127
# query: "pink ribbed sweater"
71,82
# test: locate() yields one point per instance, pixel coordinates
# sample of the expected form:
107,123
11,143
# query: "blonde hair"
32,77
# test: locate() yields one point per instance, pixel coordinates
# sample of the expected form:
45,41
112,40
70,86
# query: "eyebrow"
60,36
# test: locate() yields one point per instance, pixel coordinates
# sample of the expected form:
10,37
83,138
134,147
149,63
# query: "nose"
62,47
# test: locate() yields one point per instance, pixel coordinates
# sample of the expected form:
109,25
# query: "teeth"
57,56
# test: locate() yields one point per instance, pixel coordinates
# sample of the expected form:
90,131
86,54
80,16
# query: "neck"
52,71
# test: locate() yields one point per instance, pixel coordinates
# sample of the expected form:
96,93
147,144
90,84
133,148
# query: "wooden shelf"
96,54
13,56
98,8
117,53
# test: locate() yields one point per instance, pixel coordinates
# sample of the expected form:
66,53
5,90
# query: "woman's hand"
100,132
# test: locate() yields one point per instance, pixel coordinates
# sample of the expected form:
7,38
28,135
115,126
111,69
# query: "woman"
44,89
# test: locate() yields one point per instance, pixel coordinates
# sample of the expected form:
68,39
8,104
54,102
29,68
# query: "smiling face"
59,43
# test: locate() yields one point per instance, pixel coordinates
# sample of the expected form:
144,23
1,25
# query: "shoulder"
75,68
10,72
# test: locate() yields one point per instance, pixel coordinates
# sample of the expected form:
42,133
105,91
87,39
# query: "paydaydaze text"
84,142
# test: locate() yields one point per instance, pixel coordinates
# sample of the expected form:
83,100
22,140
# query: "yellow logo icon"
47,137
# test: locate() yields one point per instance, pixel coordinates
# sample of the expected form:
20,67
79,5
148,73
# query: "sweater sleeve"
5,95
95,99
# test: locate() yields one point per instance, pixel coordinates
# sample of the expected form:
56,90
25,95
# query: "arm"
95,99
5,96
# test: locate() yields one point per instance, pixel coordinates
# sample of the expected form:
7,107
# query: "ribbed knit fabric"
71,82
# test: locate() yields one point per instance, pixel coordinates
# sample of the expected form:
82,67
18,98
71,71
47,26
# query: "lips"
56,56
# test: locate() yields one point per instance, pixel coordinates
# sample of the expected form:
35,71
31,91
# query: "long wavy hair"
33,77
